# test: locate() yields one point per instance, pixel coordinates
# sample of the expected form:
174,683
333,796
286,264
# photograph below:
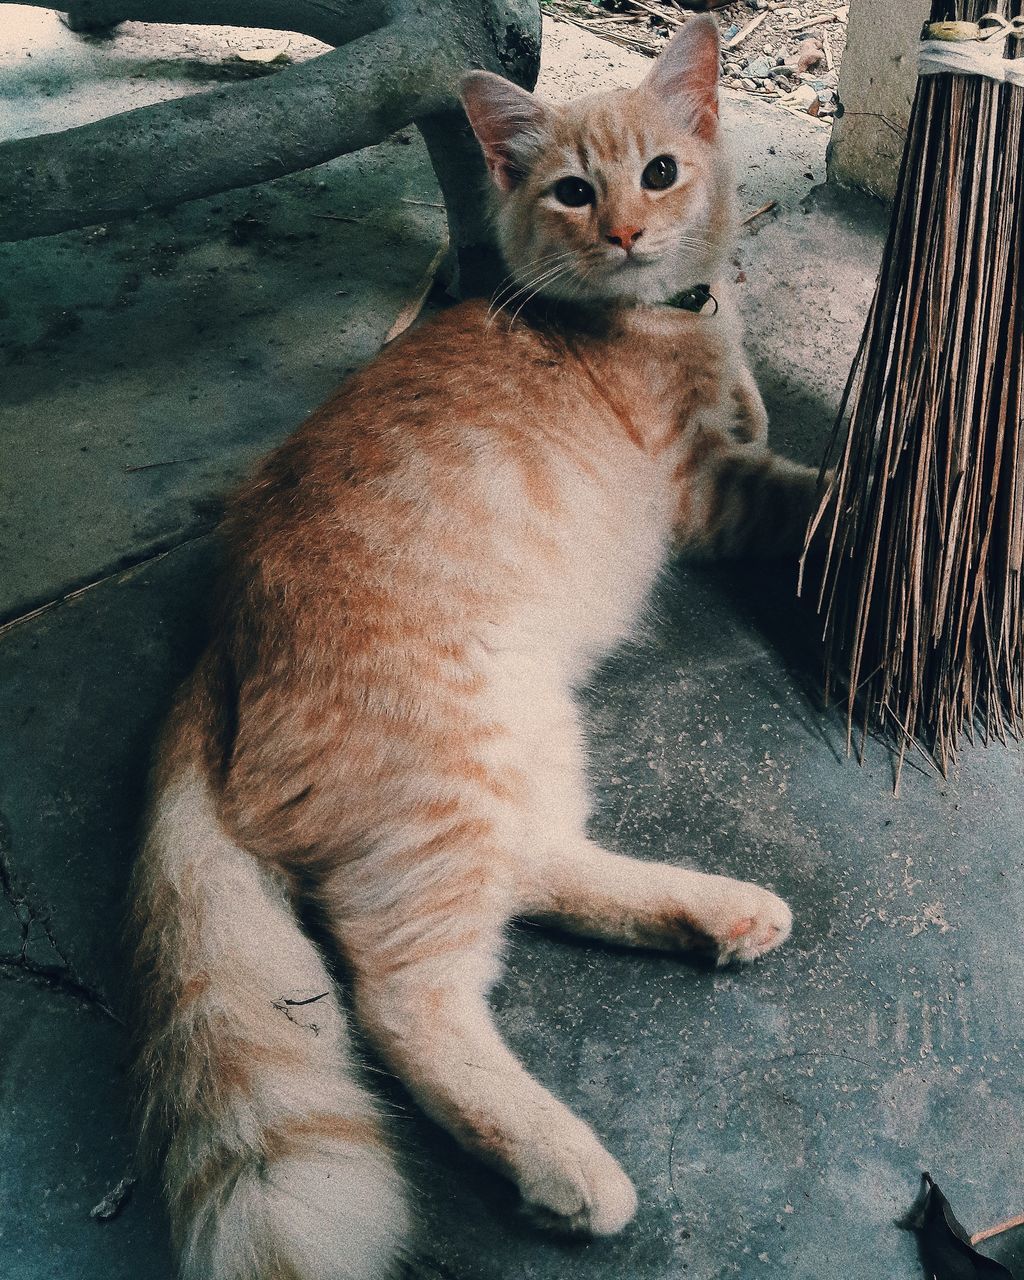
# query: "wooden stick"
172,151
658,13
613,37
998,1230
119,575
812,22
749,29
765,208
171,462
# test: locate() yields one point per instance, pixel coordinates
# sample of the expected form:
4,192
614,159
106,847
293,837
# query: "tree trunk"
400,64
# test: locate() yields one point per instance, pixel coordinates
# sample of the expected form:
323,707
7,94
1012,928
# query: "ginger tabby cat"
383,724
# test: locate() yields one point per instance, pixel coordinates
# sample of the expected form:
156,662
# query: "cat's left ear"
686,73
507,121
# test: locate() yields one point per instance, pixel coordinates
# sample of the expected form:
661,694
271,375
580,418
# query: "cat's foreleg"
739,501
420,991
741,411
750,417
600,894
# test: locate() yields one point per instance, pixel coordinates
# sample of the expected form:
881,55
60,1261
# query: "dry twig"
660,14
118,575
171,462
826,44
998,1229
840,15
746,31
765,208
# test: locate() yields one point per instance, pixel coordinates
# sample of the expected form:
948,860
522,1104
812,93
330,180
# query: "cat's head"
624,196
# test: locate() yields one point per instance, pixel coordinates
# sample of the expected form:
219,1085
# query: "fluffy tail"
275,1166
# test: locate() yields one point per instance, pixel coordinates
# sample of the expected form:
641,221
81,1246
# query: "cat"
382,728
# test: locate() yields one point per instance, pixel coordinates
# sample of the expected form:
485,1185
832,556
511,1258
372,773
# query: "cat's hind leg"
423,959
591,891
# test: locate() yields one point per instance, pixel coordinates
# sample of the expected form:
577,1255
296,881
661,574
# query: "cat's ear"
686,73
507,122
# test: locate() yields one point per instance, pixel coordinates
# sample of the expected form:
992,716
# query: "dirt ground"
766,50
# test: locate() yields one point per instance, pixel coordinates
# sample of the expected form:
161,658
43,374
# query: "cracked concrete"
28,948
775,1119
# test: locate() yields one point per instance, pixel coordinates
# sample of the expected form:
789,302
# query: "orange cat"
383,725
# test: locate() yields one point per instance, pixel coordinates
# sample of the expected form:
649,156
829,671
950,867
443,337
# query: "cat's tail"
274,1163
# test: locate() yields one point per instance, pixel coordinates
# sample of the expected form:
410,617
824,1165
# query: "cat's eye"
574,192
659,174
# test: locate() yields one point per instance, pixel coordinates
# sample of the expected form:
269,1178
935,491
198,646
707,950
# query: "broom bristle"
922,530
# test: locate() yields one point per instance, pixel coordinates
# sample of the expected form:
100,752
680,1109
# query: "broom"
920,536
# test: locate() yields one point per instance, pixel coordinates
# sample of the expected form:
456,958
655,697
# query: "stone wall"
876,89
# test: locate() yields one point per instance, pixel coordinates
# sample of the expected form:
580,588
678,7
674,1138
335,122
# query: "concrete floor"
774,1119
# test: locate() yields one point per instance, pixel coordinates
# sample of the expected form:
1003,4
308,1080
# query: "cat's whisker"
694,243
532,287
525,291
510,297
513,278
541,285
582,279
540,281
525,286
516,280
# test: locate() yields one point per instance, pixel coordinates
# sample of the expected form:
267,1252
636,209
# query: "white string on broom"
972,49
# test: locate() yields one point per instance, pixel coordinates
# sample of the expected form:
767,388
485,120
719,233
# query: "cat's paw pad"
586,1194
748,922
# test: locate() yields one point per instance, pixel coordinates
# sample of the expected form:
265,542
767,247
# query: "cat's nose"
624,237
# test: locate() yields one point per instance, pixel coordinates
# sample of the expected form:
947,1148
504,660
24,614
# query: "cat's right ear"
686,73
507,122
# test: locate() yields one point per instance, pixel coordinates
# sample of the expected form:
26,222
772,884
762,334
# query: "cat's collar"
694,299
597,319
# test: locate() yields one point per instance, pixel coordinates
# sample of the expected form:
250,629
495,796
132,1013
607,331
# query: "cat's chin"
635,282
646,282
631,284
637,287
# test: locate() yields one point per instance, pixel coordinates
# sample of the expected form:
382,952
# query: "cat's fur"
383,723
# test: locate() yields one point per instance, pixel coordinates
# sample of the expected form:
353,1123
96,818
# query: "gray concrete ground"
775,1119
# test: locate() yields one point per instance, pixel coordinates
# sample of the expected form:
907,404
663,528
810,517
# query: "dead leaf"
808,54
414,306
946,1248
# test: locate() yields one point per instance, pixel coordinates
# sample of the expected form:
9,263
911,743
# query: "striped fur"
383,727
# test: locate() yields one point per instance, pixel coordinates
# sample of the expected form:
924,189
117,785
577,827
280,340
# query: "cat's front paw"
579,1192
743,920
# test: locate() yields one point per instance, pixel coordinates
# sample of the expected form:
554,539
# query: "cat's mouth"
635,258
635,262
